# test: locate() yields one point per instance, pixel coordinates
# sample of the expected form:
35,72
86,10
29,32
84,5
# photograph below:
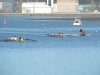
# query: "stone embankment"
53,14
84,16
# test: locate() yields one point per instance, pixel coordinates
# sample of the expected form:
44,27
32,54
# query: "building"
88,8
51,6
6,7
39,7
67,6
35,7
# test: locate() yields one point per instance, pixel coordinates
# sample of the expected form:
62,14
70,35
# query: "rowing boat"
57,34
26,40
74,35
14,41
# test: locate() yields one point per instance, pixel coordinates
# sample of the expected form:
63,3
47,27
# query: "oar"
30,40
4,40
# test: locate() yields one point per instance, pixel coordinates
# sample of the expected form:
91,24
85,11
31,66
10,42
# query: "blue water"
70,55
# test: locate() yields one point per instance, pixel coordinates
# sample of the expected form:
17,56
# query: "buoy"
4,21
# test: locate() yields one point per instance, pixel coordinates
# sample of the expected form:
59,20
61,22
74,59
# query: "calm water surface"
70,55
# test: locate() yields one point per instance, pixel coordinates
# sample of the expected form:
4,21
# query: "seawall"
53,14
84,16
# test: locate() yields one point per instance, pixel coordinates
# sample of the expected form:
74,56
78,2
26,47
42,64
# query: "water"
70,55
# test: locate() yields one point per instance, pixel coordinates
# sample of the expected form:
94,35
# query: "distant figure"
21,39
58,34
81,30
13,38
55,34
82,33
61,34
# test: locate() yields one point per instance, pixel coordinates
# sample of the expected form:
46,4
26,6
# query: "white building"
6,6
35,7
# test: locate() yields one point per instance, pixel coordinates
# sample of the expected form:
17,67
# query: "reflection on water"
70,55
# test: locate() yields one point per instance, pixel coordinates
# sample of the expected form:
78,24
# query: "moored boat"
77,22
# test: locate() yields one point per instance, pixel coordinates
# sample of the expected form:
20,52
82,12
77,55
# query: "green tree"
84,1
97,4
18,6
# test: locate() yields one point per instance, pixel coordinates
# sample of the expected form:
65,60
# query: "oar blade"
31,40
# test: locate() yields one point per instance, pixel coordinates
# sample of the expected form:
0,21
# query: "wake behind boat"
77,22
73,34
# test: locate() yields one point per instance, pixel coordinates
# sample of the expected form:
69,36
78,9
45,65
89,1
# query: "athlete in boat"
21,39
82,33
58,34
13,38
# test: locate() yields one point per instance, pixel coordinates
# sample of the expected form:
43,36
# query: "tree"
18,6
97,4
84,1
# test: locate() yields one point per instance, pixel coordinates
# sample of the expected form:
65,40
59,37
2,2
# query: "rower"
56,34
82,33
61,34
13,38
81,30
21,39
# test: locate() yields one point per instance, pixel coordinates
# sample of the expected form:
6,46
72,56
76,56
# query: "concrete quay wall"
54,14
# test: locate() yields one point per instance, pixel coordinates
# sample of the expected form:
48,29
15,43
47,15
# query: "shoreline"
86,16
50,14
68,19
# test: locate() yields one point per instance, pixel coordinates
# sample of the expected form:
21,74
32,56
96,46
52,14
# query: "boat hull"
77,24
15,41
